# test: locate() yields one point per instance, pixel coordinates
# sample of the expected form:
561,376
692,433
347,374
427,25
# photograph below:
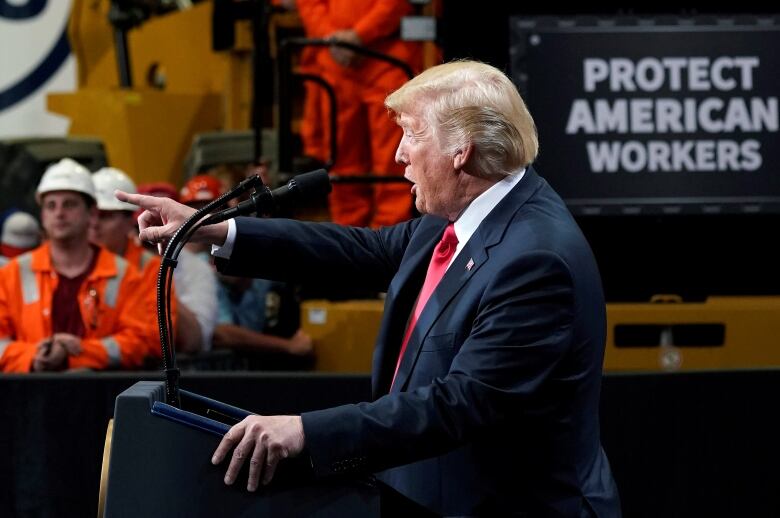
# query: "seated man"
250,321
69,304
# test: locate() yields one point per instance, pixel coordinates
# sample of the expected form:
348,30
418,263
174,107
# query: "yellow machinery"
181,87
663,335
343,333
670,335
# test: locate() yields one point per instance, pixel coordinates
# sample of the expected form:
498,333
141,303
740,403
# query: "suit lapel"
473,256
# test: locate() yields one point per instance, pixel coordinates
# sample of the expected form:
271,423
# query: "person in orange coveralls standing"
367,136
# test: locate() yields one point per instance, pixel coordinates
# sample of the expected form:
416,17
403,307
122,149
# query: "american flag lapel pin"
470,264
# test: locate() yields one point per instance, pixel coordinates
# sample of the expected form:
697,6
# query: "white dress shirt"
468,221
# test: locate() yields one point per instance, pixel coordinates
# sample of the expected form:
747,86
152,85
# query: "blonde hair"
468,101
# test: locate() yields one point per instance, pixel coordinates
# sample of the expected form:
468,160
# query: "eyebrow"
421,128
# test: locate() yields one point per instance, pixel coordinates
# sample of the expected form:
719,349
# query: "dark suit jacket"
495,410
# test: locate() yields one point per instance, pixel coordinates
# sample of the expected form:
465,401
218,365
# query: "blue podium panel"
161,466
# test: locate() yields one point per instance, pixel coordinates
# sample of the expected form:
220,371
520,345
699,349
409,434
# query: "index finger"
142,200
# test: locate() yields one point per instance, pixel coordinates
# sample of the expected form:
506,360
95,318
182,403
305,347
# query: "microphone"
265,202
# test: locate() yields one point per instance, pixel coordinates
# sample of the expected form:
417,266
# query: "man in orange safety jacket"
115,230
69,304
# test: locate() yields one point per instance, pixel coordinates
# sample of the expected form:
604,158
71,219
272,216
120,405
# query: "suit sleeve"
317,253
522,331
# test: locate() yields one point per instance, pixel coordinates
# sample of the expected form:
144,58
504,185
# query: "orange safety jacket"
148,264
140,257
111,304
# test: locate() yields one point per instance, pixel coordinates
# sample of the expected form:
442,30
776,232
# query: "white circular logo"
36,33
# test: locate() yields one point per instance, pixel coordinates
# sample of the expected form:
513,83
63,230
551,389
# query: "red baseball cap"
202,187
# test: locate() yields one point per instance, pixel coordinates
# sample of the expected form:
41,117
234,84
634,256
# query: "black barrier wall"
53,427
681,445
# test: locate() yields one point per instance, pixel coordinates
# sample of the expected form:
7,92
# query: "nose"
59,210
400,155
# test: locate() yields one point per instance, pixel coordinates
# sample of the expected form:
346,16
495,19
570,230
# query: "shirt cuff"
226,249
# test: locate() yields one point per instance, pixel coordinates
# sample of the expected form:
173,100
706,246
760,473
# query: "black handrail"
333,121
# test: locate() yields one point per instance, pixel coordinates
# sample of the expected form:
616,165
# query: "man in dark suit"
487,369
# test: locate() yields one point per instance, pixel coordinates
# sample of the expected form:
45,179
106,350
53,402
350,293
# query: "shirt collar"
469,220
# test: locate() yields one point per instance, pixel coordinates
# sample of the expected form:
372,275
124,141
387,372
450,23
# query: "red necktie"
442,255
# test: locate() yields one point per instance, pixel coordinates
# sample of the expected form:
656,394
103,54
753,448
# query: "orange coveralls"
315,127
314,124
367,137
111,304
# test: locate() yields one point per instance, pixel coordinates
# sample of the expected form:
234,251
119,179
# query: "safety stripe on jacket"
112,286
112,349
3,344
146,256
29,282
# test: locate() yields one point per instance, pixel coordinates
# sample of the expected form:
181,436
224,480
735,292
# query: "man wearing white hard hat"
115,229
69,304
115,224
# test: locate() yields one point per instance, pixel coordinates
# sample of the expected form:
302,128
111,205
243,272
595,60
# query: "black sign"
647,118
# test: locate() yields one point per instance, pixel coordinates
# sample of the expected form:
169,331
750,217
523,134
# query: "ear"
462,156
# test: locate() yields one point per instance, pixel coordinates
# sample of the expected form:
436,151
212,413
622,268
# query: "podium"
160,465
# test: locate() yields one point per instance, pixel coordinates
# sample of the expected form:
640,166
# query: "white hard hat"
66,175
21,230
106,181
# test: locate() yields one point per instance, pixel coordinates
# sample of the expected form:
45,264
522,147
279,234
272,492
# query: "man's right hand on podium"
265,440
